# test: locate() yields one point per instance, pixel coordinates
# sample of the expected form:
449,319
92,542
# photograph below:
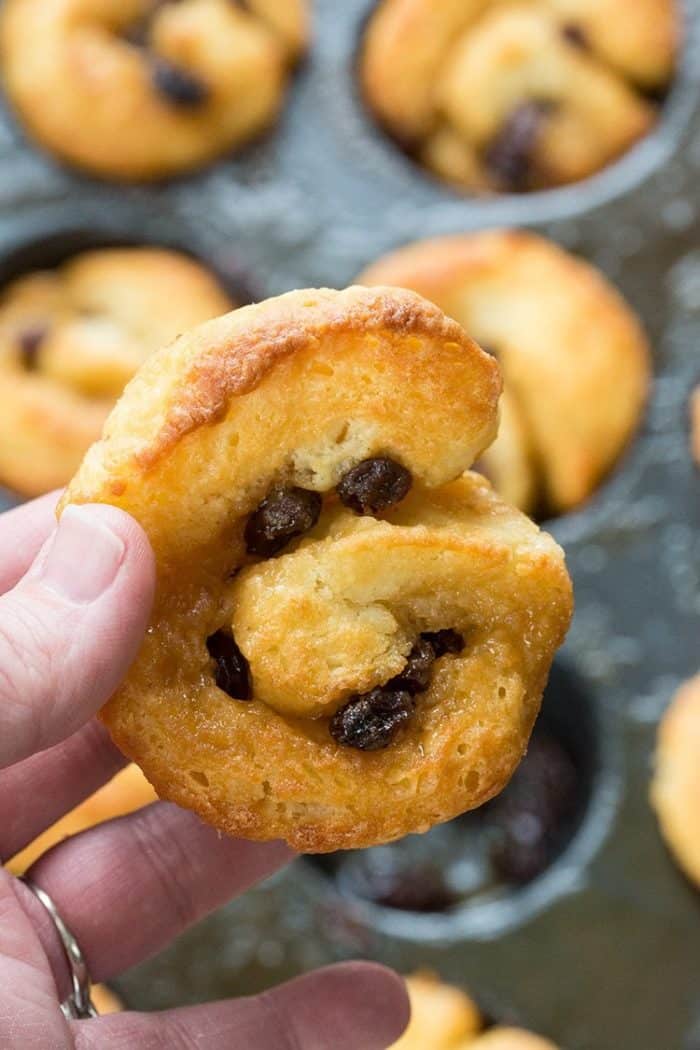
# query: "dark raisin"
232,673
30,341
176,85
509,155
447,641
374,484
575,35
528,821
415,677
371,721
281,516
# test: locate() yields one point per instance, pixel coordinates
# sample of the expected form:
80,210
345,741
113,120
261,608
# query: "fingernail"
83,558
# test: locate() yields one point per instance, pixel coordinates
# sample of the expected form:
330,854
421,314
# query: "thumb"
71,627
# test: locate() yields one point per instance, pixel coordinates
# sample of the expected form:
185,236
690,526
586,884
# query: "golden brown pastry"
500,96
71,338
574,357
142,89
501,1038
445,1018
675,789
126,792
695,425
105,1000
442,1017
346,644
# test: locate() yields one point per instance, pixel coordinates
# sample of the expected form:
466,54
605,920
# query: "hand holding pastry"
347,644
74,602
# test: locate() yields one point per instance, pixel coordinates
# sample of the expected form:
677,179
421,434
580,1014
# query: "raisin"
509,156
373,485
232,673
575,35
446,641
282,515
415,677
30,341
529,820
176,85
370,721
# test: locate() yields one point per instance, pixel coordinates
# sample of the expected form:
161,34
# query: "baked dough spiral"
444,1017
347,644
575,360
143,89
71,338
500,96
675,789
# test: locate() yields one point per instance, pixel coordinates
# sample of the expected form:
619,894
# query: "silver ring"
78,1006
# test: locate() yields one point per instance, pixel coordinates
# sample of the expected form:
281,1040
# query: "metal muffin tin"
602,951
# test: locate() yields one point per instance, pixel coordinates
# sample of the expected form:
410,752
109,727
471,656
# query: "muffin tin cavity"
492,856
58,239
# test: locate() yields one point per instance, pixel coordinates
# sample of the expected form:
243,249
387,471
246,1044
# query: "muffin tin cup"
602,951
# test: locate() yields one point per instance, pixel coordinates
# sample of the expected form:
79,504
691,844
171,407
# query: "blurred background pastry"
498,96
70,340
574,357
105,1000
446,1018
695,424
675,789
142,89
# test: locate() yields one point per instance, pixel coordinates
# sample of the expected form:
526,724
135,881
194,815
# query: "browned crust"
230,356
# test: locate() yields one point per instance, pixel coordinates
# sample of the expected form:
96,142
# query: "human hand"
74,603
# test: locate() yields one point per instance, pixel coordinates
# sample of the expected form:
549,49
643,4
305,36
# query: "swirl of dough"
501,96
70,340
347,644
575,359
143,89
